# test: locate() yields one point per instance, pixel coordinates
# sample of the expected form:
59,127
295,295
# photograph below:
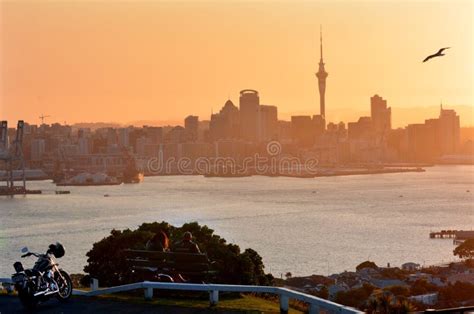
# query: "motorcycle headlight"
18,278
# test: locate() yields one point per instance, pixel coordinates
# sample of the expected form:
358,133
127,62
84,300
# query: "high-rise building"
154,134
302,130
124,137
249,103
83,144
225,124
381,114
322,75
111,137
191,125
268,123
319,125
360,130
176,135
38,148
449,131
434,138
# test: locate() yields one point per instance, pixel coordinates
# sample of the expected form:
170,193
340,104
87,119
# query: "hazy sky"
162,60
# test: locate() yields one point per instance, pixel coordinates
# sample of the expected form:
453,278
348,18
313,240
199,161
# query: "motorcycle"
44,280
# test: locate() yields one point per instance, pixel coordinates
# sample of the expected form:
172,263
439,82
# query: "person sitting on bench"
186,245
159,242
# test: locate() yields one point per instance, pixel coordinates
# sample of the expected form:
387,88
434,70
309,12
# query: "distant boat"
63,192
88,179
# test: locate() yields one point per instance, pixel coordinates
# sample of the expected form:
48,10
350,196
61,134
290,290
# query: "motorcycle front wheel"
27,297
65,286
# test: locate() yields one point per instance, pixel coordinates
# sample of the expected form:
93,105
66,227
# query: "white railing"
315,304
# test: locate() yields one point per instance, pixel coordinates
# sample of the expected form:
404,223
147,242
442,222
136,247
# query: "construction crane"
42,117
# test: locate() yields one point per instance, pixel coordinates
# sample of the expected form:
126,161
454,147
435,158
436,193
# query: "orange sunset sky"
124,61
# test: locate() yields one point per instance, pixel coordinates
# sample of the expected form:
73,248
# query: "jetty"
17,190
458,236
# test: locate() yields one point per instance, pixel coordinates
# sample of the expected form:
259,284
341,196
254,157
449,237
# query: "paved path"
11,304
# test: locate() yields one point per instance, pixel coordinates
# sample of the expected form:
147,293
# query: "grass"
244,303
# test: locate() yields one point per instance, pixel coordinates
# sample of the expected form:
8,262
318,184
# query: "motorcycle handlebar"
29,254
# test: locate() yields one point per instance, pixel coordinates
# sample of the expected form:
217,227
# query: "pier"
458,236
443,234
17,190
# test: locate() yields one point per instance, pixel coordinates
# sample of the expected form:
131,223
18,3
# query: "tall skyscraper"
249,104
322,75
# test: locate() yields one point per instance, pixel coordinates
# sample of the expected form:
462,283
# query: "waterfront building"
38,148
83,146
434,138
176,135
154,134
419,142
195,150
362,129
111,137
124,137
381,115
449,131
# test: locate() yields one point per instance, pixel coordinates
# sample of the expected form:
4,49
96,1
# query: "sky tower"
321,75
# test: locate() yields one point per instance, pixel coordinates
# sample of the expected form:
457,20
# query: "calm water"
305,226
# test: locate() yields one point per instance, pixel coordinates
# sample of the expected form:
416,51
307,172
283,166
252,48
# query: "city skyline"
109,83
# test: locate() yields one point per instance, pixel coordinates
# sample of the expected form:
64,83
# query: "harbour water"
305,226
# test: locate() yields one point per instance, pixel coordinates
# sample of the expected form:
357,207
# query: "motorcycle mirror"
24,250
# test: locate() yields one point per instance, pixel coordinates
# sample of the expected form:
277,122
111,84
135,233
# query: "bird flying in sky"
438,54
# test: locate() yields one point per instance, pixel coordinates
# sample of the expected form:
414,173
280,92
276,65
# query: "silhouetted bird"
438,54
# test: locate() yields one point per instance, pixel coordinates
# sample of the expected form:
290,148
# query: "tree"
288,275
453,294
355,297
422,286
366,264
106,259
465,249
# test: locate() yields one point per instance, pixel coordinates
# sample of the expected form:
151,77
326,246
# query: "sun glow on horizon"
132,61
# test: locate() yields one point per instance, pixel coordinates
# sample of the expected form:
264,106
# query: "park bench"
195,267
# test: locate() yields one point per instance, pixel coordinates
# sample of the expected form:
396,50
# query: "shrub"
366,264
106,260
